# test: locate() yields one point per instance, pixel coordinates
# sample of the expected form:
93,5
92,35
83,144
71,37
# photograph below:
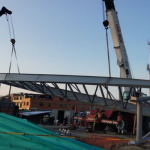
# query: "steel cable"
7,18
12,27
13,44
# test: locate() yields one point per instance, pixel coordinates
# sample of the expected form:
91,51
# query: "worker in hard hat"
5,11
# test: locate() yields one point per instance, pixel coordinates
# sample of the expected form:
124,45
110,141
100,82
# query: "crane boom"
122,58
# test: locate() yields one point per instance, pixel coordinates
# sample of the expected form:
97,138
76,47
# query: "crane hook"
13,41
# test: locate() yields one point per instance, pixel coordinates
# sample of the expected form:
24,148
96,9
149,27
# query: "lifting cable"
108,51
12,39
106,23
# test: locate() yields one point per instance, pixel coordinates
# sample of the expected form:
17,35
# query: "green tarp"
32,139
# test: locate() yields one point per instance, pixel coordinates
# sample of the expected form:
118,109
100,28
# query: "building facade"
41,102
60,107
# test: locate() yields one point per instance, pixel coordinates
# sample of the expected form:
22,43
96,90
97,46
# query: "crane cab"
126,95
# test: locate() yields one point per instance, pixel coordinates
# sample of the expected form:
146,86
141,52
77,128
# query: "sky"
67,37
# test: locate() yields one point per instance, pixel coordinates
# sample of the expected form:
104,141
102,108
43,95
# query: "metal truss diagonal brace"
128,98
73,92
103,95
57,87
42,87
48,88
106,87
66,90
38,87
120,96
95,94
87,94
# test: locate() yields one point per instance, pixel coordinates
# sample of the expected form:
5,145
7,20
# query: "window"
24,103
27,103
15,97
20,105
49,104
20,97
41,104
61,98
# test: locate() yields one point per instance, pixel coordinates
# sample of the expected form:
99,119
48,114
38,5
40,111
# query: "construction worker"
98,117
119,119
5,11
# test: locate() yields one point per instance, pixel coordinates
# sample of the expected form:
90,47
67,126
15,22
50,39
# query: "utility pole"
148,65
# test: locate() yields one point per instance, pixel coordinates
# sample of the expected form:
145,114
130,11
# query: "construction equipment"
122,58
117,120
114,25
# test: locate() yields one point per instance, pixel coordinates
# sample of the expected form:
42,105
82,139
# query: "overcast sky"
68,37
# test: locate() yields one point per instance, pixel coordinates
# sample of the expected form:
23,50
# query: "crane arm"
122,58
4,10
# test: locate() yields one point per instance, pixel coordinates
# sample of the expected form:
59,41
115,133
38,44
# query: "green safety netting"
32,139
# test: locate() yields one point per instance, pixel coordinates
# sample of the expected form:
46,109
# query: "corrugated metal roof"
31,113
18,134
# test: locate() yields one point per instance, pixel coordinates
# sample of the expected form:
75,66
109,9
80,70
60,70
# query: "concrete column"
139,121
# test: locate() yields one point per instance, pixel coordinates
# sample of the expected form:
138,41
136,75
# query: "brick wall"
36,103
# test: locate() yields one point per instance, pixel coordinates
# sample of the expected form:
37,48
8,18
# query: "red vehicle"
111,119
78,120
99,119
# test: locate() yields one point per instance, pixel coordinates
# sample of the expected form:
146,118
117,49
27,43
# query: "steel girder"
50,85
72,79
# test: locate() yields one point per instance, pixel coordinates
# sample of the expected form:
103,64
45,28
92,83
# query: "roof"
17,134
31,113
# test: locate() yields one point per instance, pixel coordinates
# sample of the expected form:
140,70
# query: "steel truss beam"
88,80
73,90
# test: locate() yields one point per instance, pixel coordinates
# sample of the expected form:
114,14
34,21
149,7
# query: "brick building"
60,107
42,102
